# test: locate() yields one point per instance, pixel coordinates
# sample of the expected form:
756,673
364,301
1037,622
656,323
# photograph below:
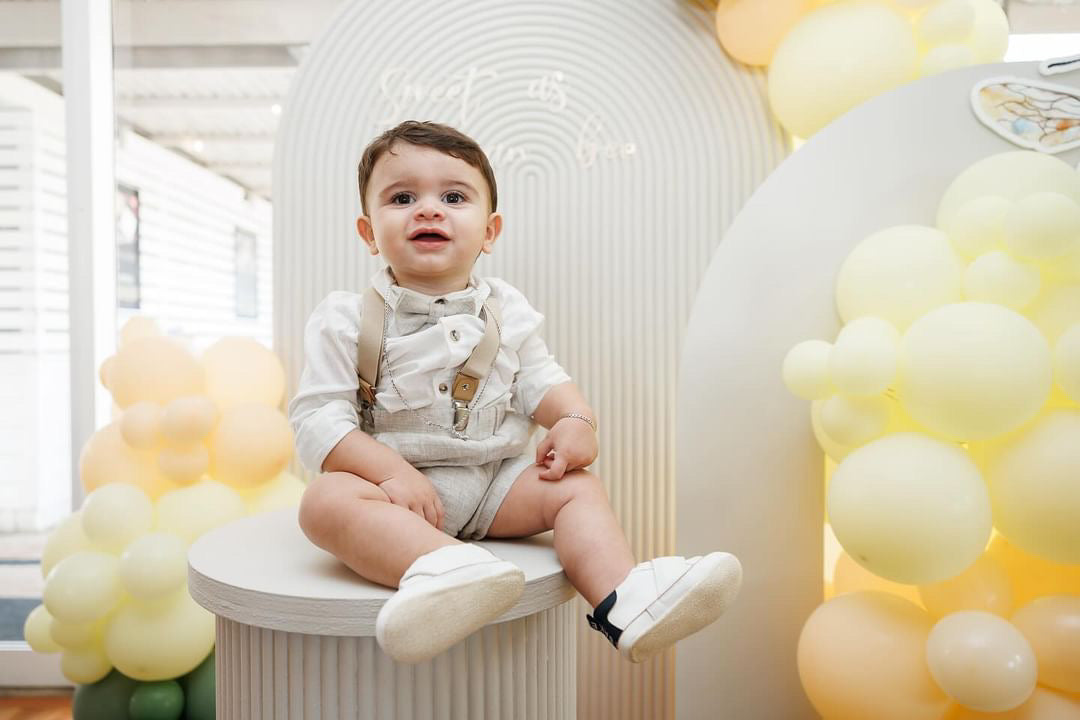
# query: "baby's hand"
569,445
411,489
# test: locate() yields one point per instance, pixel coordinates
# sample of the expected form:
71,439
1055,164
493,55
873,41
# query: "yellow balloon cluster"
197,443
826,57
950,403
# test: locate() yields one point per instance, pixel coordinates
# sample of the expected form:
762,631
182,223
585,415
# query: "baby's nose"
428,209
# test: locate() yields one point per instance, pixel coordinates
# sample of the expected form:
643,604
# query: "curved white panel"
750,472
623,142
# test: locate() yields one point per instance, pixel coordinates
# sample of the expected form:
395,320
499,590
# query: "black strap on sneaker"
598,620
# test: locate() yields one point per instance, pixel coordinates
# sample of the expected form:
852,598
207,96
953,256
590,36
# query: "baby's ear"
491,233
363,227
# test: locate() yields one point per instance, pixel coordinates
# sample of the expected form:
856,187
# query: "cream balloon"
187,420
157,369
981,661
139,425
978,226
812,79
154,565
1009,175
83,587
948,21
984,586
939,352
241,371
863,358
107,459
36,631
1052,626
67,539
806,369
250,445
116,514
849,576
1043,225
105,371
910,508
750,30
283,491
990,37
85,665
831,447
854,421
1034,488
191,511
899,274
862,655
138,327
160,641
1033,576
1042,705
184,466
76,636
997,278
1067,362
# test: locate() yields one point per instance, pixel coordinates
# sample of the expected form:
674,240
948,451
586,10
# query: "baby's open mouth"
430,237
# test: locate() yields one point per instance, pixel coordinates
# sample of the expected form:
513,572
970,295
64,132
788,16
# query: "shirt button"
443,387
454,335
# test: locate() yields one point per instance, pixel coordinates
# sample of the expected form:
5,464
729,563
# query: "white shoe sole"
418,623
707,589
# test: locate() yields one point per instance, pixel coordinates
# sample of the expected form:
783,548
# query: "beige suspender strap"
369,344
478,365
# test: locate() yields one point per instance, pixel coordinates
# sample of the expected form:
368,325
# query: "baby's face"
428,218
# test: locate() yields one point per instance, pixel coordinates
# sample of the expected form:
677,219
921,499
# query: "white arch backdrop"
750,473
623,141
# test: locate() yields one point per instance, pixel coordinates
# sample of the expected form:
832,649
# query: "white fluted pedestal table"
296,636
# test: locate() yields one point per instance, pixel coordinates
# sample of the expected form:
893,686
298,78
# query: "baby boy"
416,405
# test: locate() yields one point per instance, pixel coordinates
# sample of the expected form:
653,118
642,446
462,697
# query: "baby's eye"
454,197
400,198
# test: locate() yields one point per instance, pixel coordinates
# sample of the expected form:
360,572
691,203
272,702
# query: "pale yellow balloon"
1035,489
154,565
36,631
184,467
831,447
806,369
116,514
191,511
812,78
983,586
157,369
1010,175
750,30
910,508
854,421
160,641
998,278
106,459
863,358
947,21
981,661
67,539
83,587
76,636
138,327
1042,705
1067,362
862,655
1056,310
283,491
849,576
978,226
250,445
1043,225
899,274
945,57
972,371
187,420
990,37
139,425
241,371
1032,576
85,665
1052,626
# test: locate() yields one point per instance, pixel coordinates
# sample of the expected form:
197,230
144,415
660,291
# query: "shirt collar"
410,301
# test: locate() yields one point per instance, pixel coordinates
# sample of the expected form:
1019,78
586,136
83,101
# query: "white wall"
188,220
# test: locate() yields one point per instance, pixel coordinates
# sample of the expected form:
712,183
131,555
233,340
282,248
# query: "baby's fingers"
556,470
543,449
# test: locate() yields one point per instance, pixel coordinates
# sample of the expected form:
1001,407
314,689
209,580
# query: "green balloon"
163,700
199,690
107,699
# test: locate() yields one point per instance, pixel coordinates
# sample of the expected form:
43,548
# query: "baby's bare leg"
588,540
355,520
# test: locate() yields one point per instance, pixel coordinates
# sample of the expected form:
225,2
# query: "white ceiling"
207,77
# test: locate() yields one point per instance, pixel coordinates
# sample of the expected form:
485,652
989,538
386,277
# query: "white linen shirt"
422,362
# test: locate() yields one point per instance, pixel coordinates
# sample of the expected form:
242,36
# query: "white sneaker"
664,600
443,598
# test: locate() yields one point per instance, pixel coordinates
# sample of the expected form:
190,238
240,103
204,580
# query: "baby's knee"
583,484
329,494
